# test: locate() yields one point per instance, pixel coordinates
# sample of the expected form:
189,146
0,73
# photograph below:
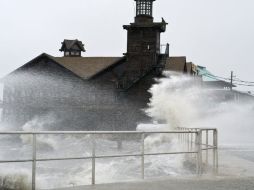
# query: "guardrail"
205,143
190,137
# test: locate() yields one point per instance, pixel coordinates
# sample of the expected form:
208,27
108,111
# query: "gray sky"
218,34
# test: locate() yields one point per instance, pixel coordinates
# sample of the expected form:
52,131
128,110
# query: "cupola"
144,10
72,48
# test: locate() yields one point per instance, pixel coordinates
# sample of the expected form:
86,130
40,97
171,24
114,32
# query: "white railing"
205,143
192,138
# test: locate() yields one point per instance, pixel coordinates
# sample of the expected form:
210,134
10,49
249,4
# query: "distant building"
180,64
222,89
211,81
93,93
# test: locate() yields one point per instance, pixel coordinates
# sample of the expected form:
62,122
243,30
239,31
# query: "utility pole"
231,80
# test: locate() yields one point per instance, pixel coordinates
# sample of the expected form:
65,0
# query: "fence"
204,145
192,138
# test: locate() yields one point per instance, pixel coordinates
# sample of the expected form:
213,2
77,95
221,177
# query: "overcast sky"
218,34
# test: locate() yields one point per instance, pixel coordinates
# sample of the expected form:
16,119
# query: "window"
144,7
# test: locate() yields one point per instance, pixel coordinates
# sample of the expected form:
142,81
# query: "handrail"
90,132
166,50
204,141
183,133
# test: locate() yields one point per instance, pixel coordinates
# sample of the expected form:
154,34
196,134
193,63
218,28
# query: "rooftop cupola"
72,48
144,11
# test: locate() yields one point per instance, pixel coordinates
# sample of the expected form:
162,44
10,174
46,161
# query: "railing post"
34,163
215,151
93,159
196,147
188,140
207,142
185,138
199,152
143,156
191,140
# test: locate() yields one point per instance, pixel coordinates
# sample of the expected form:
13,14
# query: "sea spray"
176,101
14,181
173,100
41,123
180,101
14,177
1,99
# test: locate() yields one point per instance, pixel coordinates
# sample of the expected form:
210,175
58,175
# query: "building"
221,88
93,93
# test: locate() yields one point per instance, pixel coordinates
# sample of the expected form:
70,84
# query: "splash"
14,176
16,181
176,101
182,101
41,123
1,99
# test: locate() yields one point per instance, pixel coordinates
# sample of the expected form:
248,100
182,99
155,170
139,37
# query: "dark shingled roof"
175,64
72,45
86,67
83,67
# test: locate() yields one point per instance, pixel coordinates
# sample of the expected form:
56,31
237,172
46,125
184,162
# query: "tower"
143,43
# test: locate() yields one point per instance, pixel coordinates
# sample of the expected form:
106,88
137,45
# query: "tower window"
144,7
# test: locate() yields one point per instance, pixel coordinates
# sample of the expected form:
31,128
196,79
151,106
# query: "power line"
250,85
234,82
217,76
237,79
214,77
228,79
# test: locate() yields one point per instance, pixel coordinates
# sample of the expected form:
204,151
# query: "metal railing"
205,143
164,49
190,137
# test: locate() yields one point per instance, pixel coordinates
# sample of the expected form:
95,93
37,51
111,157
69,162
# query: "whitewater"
177,101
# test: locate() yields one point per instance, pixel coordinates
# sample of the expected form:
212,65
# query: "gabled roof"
86,67
83,67
72,45
177,64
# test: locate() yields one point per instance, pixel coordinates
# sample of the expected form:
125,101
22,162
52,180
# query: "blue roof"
206,75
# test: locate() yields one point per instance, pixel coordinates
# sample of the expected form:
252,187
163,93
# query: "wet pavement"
178,184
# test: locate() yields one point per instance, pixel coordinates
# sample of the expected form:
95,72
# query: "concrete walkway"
218,183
